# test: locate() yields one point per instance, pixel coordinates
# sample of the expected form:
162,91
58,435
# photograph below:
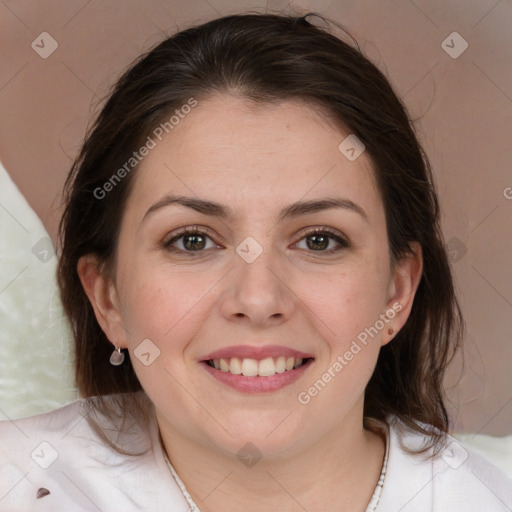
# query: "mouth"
257,369
267,367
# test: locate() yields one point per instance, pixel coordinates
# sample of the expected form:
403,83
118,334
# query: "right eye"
190,240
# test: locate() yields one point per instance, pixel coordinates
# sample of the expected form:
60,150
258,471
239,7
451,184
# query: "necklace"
374,501
192,506
372,506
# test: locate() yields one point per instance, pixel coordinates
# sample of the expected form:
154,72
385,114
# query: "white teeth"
249,367
280,364
266,367
224,365
235,366
252,367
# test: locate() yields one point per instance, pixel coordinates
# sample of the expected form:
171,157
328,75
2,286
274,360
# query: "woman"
261,300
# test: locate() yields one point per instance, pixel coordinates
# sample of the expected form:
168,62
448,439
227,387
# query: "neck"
338,472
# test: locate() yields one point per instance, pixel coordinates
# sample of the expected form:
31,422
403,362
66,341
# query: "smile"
254,368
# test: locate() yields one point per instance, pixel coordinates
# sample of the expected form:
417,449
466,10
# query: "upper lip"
252,352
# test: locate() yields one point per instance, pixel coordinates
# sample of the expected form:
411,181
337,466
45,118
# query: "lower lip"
257,384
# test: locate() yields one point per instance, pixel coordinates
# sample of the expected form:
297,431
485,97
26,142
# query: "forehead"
229,149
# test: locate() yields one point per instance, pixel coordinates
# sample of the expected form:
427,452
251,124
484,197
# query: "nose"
258,293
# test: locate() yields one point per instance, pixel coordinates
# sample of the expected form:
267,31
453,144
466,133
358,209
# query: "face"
286,262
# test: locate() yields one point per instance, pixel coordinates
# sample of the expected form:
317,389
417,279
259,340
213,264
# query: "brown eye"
324,241
190,240
317,242
194,242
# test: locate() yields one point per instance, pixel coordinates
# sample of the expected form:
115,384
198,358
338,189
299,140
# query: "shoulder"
62,452
456,479
55,419
68,427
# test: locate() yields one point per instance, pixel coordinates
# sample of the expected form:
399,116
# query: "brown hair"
270,58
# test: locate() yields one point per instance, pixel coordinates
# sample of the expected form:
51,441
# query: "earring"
117,357
390,331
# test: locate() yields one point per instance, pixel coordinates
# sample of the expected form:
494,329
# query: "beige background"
463,108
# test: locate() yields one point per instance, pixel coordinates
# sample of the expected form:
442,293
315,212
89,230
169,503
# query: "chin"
268,439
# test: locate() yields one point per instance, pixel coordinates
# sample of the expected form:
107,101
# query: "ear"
402,289
102,294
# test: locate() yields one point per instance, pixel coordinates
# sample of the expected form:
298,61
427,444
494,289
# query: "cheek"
165,305
346,302
345,309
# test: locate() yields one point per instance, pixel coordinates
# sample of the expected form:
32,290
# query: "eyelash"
197,231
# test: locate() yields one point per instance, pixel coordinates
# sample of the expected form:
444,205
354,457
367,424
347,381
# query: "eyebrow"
225,212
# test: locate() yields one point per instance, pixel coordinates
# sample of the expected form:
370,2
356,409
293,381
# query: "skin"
256,161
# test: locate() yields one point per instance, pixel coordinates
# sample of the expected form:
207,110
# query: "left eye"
322,241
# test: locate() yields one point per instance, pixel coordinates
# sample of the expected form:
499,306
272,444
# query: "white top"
60,452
